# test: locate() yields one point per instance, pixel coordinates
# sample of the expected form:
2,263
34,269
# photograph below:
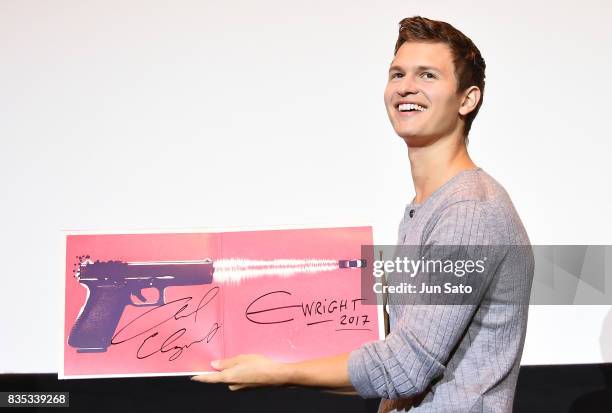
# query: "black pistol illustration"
111,285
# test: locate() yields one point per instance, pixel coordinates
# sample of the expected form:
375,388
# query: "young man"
442,357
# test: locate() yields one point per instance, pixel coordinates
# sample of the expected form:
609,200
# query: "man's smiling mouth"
408,110
411,107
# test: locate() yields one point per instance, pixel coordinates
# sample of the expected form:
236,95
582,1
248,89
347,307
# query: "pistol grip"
95,326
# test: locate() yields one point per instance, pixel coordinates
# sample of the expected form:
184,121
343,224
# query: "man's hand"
252,370
246,370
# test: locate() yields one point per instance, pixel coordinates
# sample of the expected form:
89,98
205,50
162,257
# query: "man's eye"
428,75
394,75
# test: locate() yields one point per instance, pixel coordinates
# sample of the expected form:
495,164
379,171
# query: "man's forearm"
328,372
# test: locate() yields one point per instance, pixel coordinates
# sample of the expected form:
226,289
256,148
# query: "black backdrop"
558,389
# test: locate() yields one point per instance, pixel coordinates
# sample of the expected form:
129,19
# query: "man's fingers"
225,363
233,387
216,377
226,373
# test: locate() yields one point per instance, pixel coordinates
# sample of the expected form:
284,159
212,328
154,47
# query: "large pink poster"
170,303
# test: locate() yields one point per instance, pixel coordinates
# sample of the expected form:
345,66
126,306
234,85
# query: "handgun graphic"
111,285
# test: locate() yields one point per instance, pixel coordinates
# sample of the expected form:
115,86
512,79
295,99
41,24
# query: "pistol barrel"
180,272
352,263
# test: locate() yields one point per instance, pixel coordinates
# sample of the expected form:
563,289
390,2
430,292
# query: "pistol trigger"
160,298
138,294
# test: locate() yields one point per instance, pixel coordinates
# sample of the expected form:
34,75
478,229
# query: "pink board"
170,303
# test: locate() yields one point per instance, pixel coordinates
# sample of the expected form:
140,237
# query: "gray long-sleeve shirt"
456,358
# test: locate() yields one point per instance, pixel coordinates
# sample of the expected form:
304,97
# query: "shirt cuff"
358,374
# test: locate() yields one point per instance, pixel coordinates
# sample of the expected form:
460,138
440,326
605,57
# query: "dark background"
568,388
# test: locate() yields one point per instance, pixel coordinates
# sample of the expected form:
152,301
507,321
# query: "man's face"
423,74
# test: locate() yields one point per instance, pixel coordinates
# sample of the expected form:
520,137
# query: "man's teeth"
410,106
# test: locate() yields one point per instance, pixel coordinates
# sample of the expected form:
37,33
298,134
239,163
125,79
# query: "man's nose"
407,87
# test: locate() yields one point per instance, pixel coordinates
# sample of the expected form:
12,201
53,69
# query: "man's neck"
433,165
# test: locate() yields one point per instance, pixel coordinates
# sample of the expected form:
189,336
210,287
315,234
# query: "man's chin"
415,140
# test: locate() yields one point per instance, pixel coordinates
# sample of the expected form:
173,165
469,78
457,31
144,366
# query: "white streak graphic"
235,270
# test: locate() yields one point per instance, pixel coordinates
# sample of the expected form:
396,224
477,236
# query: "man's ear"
470,100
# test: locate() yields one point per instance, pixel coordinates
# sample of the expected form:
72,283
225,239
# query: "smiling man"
437,357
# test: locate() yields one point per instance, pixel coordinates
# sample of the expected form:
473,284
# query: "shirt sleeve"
414,354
